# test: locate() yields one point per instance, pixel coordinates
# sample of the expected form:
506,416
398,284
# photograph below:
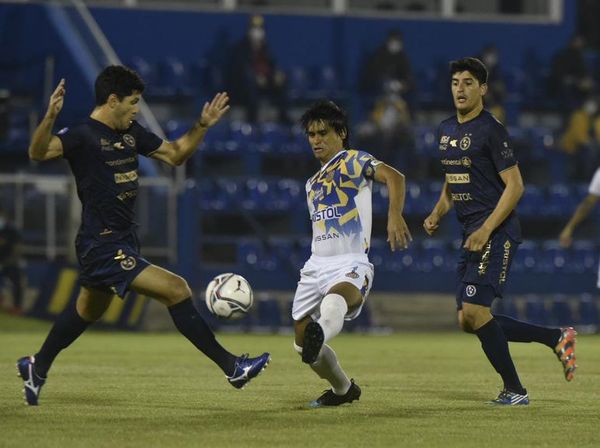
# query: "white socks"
328,368
333,309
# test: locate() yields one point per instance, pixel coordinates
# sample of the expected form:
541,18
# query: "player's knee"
178,289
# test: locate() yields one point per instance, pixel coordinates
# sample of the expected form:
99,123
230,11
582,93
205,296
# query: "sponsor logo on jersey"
444,142
326,214
129,140
507,152
119,162
453,162
328,236
466,162
106,145
62,131
465,143
461,197
353,273
460,178
485,258
119,145
127,195
505,259
453,143
129,176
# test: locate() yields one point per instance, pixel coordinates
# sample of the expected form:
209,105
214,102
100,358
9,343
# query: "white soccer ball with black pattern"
229,296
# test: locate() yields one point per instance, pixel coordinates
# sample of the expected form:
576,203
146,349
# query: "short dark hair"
471,65
117,79
329,113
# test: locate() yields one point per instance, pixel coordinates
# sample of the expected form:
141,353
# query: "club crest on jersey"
465,143
129,140
471,290
127,262
353,273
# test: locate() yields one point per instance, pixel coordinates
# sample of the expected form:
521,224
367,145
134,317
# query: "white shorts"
320,274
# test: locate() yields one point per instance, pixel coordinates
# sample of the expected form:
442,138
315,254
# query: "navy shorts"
109,266
482,276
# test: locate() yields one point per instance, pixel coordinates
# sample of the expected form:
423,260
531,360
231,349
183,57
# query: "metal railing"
46,210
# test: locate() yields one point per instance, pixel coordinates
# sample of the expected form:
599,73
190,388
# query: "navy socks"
519,331
68,326
190,324
495,346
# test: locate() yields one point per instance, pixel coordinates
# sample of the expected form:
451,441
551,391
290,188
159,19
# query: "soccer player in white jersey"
336,279
581,212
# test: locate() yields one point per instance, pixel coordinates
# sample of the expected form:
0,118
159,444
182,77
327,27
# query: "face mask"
394,46
257,35
590,107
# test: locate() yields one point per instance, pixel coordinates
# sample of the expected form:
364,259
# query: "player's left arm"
177,152
398,234
513,191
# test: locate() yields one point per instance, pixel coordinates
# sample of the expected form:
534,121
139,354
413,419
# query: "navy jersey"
105,165
472,156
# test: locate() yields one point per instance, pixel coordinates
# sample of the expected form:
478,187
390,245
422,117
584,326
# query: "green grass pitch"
419,390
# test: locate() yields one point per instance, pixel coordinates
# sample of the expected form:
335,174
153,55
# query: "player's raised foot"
247,368
509,398
330,399
565,351
313,341
31,381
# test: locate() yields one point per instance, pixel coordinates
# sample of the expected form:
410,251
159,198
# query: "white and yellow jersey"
339,203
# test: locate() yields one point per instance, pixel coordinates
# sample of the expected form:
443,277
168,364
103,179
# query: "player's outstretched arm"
44,145
443,205
398,234
583,210
177,152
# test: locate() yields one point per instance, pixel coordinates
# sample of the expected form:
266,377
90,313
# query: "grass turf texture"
419,390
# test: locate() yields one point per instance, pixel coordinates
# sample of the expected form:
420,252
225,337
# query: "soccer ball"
229,296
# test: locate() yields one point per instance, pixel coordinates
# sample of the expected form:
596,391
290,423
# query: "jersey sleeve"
500,148
368,163
146,142
594,187
70,139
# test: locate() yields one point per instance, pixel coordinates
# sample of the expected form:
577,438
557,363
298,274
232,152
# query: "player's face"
125,110
324,141
467,92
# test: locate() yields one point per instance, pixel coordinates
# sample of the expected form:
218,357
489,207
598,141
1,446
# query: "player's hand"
431,223
565,239
213,111
398,234
57,100
477,240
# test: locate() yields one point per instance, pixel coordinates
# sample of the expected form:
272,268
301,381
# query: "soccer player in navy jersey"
484,183
103,155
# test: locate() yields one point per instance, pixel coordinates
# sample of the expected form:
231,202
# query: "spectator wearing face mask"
253,76
388,63
581,140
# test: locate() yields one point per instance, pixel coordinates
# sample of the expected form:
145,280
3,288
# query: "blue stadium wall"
27,36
